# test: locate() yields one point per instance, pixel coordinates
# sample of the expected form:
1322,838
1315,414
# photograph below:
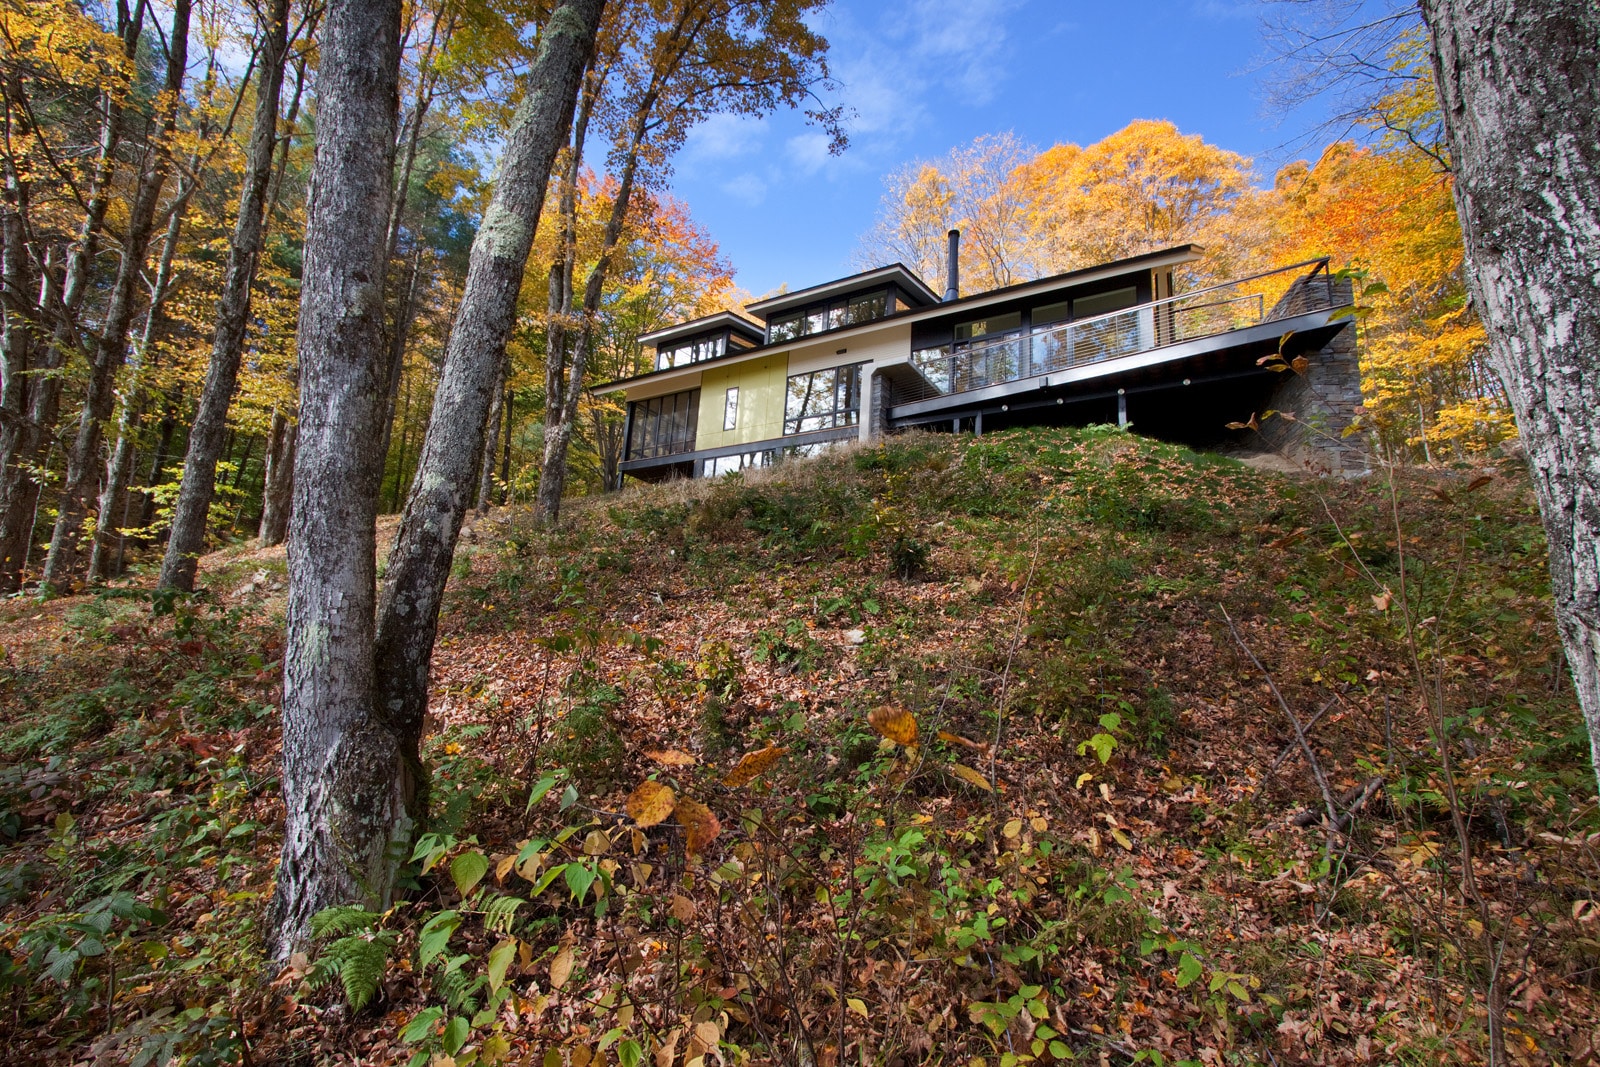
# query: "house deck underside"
1186,392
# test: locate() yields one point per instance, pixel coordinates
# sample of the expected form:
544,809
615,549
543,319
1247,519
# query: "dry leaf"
700,825
897,724
682,908
596,843
752,765
671,757
705,1038
1478,483
561,967
503,867
957,739
967,774
650,803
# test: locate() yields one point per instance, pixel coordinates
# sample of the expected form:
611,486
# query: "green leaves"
467,870
1188,970
435,936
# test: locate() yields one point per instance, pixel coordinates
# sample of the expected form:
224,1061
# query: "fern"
357,956
361,967
341,921
501,914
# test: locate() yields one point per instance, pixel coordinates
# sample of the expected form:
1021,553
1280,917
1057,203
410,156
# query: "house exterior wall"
761,385
1324,400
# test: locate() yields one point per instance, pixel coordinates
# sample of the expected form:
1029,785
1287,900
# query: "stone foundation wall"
1324,400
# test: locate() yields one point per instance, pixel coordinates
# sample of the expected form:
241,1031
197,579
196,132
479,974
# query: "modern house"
875,352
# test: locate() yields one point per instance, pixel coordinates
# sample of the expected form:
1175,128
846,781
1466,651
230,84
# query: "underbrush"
944,751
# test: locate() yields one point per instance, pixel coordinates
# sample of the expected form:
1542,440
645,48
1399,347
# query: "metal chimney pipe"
952,285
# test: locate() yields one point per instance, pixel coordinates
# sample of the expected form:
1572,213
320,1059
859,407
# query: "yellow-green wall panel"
761,384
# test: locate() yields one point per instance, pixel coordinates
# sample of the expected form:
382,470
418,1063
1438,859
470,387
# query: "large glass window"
663,425
730,408
823,400
692,350
994,324
832,315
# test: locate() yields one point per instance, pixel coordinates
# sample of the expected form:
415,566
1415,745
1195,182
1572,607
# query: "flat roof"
1184,253
898,273
700,325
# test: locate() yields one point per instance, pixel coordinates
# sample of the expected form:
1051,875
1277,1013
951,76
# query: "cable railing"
1216,309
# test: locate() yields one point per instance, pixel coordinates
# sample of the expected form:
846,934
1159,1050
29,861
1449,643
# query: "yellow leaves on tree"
1025,214
1387,211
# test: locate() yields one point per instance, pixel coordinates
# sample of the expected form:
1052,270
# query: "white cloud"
915,59
808,152
746,187
723,136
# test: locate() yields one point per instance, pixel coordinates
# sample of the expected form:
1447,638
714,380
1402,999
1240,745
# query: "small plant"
357,954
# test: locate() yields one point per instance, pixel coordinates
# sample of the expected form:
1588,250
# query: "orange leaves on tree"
897,724
651,803
752,765
700,825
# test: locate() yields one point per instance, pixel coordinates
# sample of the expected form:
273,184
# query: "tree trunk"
39,394
491,445
277,481
420,562
405,315
111,347
1519,88
345,776
105,559
561,413
189,515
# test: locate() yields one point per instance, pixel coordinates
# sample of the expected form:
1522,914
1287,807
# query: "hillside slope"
960,749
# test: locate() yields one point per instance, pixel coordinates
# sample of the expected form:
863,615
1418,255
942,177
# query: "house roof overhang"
898,273
721,320
1166,257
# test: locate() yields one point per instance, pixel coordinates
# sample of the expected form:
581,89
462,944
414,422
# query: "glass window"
663,425
730,464
823,400
730,409
867,307
785,329
966,331
1050,314
816,321
1103,303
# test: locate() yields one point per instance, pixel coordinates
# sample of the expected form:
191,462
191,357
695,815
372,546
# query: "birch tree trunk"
111,346
1519,87
233,314
442,491
345,781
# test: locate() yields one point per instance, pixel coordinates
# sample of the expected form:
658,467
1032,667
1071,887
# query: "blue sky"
924,76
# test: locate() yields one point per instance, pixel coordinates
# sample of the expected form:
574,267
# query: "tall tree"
676,63
344,778
1519,86
111,345
53,57
233,313
354,698
419,565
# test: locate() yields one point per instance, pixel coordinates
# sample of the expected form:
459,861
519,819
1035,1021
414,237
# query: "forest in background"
134,171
